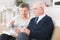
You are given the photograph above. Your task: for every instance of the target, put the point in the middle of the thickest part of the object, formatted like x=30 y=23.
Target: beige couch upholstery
x=56 y=34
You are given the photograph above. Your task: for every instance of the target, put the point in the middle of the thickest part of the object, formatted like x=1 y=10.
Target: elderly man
x=40 y=27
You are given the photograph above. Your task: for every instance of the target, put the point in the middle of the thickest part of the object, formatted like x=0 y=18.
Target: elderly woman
x=21 y=20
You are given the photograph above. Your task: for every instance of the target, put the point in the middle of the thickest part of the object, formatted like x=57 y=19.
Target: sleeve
x=9 y=25
x=44 y=32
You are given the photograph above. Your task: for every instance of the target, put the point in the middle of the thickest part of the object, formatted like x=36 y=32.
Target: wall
x=6 y=3
x=49 y=2
x=5 y=7
x=54 y=12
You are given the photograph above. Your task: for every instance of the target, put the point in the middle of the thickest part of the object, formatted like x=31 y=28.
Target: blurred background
x=9 y=9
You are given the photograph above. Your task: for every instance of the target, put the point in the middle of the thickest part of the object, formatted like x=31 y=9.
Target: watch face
x=57 y=3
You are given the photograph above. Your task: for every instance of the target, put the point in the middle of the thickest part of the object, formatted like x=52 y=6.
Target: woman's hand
x=17 y=30
x=14 y=34
x=11 y=22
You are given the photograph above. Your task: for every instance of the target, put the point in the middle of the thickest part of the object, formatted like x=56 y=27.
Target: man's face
x=37 y=9
x=24 y=11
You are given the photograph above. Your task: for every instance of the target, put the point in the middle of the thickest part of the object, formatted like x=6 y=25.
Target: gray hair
x=24 y=5
x=41 y=3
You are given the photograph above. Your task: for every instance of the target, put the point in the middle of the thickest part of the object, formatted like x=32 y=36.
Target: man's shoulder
x=47 y=17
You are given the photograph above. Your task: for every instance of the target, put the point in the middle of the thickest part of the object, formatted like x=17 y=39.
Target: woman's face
x=24 y=11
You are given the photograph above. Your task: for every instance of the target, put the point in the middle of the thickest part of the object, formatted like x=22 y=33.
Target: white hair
x=41 y=3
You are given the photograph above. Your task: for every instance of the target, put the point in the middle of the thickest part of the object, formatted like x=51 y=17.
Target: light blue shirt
x=41 y=17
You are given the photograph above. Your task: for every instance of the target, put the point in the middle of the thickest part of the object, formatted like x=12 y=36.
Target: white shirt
x=41 y=17
x=18 y=22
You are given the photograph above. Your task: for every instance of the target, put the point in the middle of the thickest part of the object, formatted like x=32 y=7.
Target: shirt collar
x=40 y=17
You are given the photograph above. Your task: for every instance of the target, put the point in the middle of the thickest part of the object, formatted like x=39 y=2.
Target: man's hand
x=25 y=30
